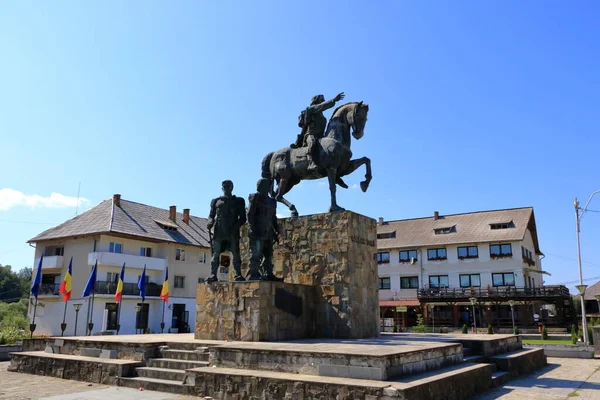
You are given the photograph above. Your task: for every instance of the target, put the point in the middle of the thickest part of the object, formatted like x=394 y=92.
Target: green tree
x=14 y=285
x=490 y=330
x=420 y=327
x=465 y=330
x=544 y=333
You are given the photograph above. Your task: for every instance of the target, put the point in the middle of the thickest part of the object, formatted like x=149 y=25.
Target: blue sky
x=473 y=106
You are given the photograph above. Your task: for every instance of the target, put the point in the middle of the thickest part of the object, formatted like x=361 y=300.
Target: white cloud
x=10 y=198
x=354 y=186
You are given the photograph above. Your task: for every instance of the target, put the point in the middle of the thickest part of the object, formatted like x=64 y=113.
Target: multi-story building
x=113 y=233
x=445 y=260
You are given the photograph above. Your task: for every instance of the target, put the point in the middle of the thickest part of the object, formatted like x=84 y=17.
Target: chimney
x=117 y=200
x=186 y=215
x=173 y=213
x=436 y=215
x=380 y=220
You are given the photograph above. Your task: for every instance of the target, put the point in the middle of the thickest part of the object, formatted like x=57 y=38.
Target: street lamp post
x=512 y=313
x=432 y=308
x=77 y=307
x=473 y=300
x=581 y=289
x=578 y=222
x=137 y=316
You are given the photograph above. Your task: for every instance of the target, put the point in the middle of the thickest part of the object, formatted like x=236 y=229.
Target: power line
x=572 y=259
x=27 y=222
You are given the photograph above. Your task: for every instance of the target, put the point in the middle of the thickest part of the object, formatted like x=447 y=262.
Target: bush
x=544 y=333
x=11 y=335
x=395 y=327
x=420 y=327
x=517 y=330
x=590 y=335
x=465 y=330
x=490 y=330
x=574 y=330
x=574 y=338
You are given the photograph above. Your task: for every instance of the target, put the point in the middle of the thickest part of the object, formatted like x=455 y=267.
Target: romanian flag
x=164 y=293
x=65 y=286
x=119 y=292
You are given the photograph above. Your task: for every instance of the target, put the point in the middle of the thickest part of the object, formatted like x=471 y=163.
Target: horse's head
x=357 y=118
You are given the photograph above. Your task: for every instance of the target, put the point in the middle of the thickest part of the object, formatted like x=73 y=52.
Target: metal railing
x=499 y=292
x=49 y=289
x=129 y=289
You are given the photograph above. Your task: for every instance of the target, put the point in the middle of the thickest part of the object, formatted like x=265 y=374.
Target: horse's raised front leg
x=332 y=176
x=355 y=164
x=283 y=187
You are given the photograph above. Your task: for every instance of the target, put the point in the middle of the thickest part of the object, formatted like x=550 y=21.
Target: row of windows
x=442 y=281
x=464 y=252
x=114 y=247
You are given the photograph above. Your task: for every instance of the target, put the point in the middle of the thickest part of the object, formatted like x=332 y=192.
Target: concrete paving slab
x=114 y=393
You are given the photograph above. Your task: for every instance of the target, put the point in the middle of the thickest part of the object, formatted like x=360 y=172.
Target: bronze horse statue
x=287 y=167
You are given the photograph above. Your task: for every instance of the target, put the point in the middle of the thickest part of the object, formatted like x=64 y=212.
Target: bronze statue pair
x=228 y=214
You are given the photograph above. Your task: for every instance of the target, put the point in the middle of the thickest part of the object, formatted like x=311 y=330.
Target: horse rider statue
x=313 y=125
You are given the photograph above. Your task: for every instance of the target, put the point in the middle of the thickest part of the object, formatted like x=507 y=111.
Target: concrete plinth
x=254 y=311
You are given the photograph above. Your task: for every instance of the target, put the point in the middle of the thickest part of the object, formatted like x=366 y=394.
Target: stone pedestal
x=254 y=311
x=334 y=254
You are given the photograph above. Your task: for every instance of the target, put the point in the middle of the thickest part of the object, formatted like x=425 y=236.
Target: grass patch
x=540 y=341
x=573 y=394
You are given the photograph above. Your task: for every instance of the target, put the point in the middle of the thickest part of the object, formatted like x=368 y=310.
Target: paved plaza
x=563 y=378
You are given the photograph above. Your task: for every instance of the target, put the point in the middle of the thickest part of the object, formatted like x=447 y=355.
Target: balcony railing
x=131 y=261
x=50 y=262
x=49 y=289
x=504 y=292
x=129 y=289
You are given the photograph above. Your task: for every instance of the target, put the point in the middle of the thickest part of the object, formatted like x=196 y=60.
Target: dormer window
x=501 y=225
x=444 y=231
x=168 y=226
x=387 y=235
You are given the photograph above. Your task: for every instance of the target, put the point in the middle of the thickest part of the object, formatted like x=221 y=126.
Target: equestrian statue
x=321 y=150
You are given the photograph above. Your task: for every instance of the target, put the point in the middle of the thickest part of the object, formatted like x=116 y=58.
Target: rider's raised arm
x=323 y=106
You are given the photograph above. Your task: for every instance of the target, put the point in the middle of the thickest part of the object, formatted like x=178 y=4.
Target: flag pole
x=119 y=316
x=162 y=324
x=63 y=326
x=91 y=323
x=32 y=325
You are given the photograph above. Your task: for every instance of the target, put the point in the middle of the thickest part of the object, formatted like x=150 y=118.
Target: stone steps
x=186 y=346
x=473 y=359
x=520 y=362
x=500 y=378
x=175 y=364
x=467 y=352
x=161 y=373
x=188 y=355
x=160 y=385
x=451 y=383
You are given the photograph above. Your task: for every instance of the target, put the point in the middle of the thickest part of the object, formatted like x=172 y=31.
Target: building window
x=444 y=231
x=468 y=252
x=406 y=255
x=388 y=235
x=438 y=281
x=180 y=254
x=112 y=277
x=54 y=251
x=179 y=281
x=111 y=318
x=146 y=251
x=500 y=250
x=503 y=279
x=383 y=257
x=203 y=258
x=115 y=247
x=470 y=280
x=527 y=256
x=385 y=283
x=500 y=225
x=409 y=282
x=436 y=254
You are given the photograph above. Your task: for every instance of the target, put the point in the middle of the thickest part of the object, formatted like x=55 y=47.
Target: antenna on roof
x=77 y=206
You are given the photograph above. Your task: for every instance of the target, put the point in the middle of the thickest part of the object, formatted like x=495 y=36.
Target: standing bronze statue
x=263 y=232
x=227 y=215
x=288 y=166
x=313 y=125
